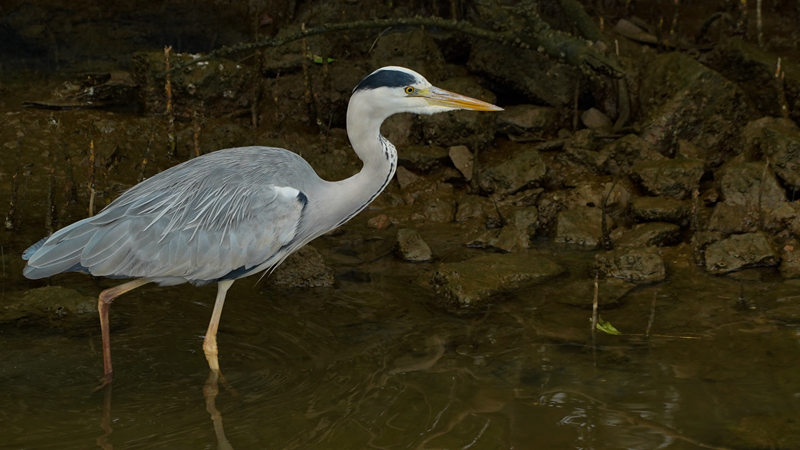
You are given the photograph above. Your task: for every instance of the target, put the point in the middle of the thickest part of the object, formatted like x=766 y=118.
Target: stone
x=471 y=283
x=477 y=207
x=423 y=158
x=648 y=234
x=528 y=120
x=751 y=185
x=730 y=219
x=790 y=259
x=583 y=148
x=777 y=140
x=660 y=209
x=379 y=222
x=579 y=226
x=520 y=226
x=413 y=44
x=635 y=265
x=303 y=269
x=412 y=247
x=683 y=99
x=52 y=306
x=753 y=69
x=526 y=75
x=623 y=153
x=462 y=160
x=633 y=32
x=451 y=128
x=740 y=251
x=522 y=170
x=595 y=119
x=406 y=177
x=675 y=178
x=221 y=85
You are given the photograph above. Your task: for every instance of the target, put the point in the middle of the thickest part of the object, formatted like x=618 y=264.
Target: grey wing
x=201 y=231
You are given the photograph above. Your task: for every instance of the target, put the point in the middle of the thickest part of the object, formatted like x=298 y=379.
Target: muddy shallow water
x=374 y=361
x=368 y=364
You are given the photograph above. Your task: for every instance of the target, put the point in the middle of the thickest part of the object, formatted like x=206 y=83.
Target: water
x=370 y=364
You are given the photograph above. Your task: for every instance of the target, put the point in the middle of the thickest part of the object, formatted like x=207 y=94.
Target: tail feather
x=60 y=252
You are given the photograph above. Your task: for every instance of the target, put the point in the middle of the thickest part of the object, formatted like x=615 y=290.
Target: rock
x=474 y=207
x=580 y=226
x=406 y=177
x=675 y=178
x=747 y=200
x=520 y=226
x=595 y=119
x=610 y=292
x=754 y=70
x=660 y=209
x=522 y=170
x=615 y=197
x=400 y=130
x=526 y=75
x=462 y=160
x=53 y=306
x=623 y=153
x=528 y=120
x=729 y=219
x=683 y=99
x=220 y=85
x=700 y=242
x=379 y=222
x=423 y=158
x=583 y=148
x=649 y=234
x=790 y=259
x=398 y=47
x=506 y=240
x=303 y=269
x=435 y=205
x=740 y=251
x=636 y=265
x=633 y=32
x=751 y=185
x=784 y=217
x=473 y=130
x=777 y=140
x=411 y=247
x=471 y=283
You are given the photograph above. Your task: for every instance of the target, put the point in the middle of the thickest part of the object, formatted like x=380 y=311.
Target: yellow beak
x=441 y=97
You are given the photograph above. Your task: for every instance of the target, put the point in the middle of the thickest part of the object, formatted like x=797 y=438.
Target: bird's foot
x=105 y=381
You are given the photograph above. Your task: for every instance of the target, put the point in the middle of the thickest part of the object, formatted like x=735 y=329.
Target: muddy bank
x=666 y=141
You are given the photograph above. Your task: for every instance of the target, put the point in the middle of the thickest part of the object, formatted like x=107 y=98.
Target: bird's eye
x=409 y=90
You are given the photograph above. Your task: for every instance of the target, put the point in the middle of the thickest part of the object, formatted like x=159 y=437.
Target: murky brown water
x=368 y=365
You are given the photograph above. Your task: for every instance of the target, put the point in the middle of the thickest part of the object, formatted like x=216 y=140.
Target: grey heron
x=235 y=212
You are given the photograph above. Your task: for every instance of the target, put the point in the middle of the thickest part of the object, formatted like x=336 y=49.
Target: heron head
x=395 y=89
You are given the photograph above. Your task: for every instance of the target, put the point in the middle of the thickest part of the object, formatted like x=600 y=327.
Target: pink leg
x=103 y=304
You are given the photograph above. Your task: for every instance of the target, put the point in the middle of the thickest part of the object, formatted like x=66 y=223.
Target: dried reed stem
x=196 y=132
x=759 y=25
x=780 y=76
x=11 y=215
x=171 y=142
x=50 y=221
x=92 y=191
x=652 y=315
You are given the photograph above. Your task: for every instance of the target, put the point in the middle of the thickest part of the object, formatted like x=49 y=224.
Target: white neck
x=341 y=200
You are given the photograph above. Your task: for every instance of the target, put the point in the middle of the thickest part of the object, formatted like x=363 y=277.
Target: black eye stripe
x=386 y=78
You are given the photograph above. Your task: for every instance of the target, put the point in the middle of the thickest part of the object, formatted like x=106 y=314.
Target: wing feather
x=198 y=221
